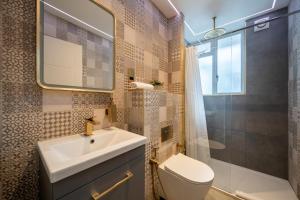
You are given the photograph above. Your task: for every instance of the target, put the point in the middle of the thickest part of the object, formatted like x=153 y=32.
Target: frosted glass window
x=206 y=74
x=229 y=65
x=221 y=65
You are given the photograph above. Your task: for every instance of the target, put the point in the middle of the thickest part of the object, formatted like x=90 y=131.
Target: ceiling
x=231 y=14
x=71 y=10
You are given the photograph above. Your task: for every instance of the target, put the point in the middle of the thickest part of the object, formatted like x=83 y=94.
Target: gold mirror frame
x=38 y=55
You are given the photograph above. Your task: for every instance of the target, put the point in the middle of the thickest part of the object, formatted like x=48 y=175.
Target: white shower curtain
x=197 y=145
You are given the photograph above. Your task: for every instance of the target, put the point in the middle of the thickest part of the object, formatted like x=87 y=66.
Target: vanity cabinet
x=120 y=178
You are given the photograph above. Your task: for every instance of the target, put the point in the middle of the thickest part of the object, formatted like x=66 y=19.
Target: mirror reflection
x=77 y=45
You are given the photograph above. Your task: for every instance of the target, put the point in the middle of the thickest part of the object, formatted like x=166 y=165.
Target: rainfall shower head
x=215 y=32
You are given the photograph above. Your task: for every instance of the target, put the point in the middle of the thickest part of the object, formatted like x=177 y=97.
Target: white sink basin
x=65 y=156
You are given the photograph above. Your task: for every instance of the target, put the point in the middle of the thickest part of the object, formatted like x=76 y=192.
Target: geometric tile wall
x=21 y=101
x=149 y=111
x=151 y=47
x=294 y=106
x=147 y=115
x=56 y=124
x=147 y=44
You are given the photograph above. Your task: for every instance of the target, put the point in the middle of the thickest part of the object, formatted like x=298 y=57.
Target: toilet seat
x=189 y=169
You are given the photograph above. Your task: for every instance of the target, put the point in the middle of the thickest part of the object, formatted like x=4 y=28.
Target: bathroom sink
x=65 y=156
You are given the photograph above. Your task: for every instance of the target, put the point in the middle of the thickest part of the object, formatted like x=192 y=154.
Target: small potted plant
x=157 y=84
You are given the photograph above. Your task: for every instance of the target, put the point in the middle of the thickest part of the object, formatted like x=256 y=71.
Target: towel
x=140 y=85
x=246 y=196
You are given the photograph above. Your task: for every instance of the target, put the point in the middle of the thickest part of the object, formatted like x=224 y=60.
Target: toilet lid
x=189 y=169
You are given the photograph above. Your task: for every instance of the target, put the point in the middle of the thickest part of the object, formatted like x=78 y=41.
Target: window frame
x=214 y=53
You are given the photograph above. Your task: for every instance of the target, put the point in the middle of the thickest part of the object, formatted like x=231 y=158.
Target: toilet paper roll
x=140 y=85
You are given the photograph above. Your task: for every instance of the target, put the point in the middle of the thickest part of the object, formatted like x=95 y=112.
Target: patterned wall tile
x=23 y=100
x=155 y=74
x=90 y=100
x=56 y=124
x=118 y=95
x=119 y=64
x=130 y=18
x=20 y=100
x=162 y=113
x=127 y=81
x=162 y=98
x=140 y=16
x=137 y=98
x=151 y=98
x=17 y=65
x=176 y=88
x=18 y=33
x=20 y=10
x=79 y=117
x=21 y=129
x=21 y=97
x=118 y=7
x=148 y=117
x=101 y=100
x=148 y=173
x=140 y=25
x=148 y=36
x=139 y=69
x=148 y=74
x=129 y=51
x=120 y=30
x=120 y=117
x=19 y=172
x=120 y=46
x=139 y=55
x=163 y=64
x=129 y=34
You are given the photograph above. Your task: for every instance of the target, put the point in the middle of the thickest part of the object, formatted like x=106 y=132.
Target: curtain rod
x=246 y=27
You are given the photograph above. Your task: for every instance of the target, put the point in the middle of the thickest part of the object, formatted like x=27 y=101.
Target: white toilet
x=185 y=178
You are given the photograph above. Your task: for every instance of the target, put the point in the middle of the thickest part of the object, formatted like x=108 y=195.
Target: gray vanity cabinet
x=128 y=167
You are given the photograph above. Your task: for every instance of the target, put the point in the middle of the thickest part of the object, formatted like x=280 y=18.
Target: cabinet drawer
x=133 y=189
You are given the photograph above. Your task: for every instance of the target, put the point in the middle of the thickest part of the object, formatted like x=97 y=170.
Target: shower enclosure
x=245 y=80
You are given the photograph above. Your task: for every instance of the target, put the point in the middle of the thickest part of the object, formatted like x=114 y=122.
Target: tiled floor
x=233 y=178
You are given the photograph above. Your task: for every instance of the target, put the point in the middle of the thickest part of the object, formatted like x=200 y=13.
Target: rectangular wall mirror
x=75 y=46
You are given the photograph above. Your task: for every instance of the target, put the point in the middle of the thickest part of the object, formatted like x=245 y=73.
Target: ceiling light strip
x=173 y=6
x=102 y=32
x=189 y=27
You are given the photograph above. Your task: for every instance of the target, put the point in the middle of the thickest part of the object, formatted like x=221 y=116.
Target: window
x=221 y=63
x=206 y=74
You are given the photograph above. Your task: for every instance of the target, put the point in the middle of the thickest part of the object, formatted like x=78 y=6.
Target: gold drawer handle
x=97 y=195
